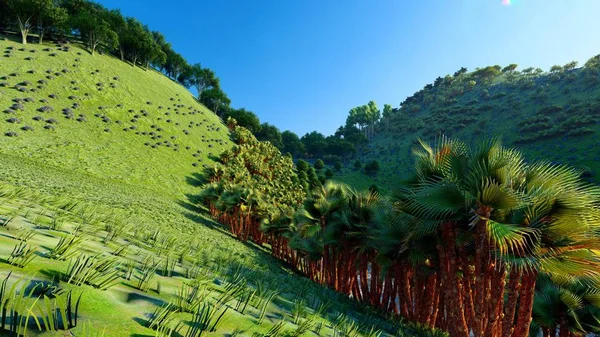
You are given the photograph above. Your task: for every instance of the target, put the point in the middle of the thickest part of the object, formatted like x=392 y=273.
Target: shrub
x=357 y=165
x=45 y=108
x=51 y=121
x=372 y=168
x=11 y=134
x=18 y=106
x=14 y=120
x=27 y=128
x=319 y=164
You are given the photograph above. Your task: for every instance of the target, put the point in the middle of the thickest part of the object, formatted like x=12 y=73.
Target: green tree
x=556 y=68
x=517 y=219
x=270 y=133
x=319 y=164
x=567 y=306
x=119 y=24
x=91 y=24
x=216 y=100
x=387 y=115
x=509 y=68
x=337 y=166
x=292 y=144
x=25 y=13
x=49 y=16
x=314 y=143
x=200 y=78
x=372 y=167
x=357 y=165
x=570 y=66
x=244 y=118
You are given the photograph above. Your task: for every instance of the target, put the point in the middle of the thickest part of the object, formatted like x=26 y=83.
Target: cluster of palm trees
x=478 y=243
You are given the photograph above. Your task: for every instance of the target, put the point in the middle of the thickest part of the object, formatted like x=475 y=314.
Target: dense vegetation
x=460 y=248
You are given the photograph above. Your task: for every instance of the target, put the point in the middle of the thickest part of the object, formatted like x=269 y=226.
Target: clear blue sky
x=303 y=64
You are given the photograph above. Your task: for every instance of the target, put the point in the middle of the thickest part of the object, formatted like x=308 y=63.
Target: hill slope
x=546 y=115
x=124 y=197
x=97 y=115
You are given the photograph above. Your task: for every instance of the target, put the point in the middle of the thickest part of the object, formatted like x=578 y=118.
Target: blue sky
x=302 y=65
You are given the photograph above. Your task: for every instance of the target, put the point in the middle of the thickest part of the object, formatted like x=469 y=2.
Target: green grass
x=80 y=180
x=495 y=110
x=85 y=147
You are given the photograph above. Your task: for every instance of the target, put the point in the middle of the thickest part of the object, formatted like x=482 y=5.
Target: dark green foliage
x=270 y=133
x=372 y=167
x=357 y=165
x=319 y=164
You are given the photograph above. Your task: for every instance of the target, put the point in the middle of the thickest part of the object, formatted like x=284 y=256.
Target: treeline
x=109 y=31
x=479 y=243
x=362 y=123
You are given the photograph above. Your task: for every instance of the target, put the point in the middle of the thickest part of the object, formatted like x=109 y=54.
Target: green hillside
x=553 y=115
x=97 y=115
x=110 y=166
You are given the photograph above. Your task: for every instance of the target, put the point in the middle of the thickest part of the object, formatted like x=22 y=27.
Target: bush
x=11 y=134
x=357 y=165
x=337 y=166
x=319 y=164
x=372 y=168
x=46 y=108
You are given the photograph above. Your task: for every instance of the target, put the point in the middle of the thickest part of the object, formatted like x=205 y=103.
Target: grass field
x=117 y=186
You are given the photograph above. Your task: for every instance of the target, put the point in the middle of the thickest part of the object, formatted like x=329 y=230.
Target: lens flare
x=506 y=2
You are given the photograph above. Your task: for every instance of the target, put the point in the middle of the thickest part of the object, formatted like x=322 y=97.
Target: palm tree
x=407 y=260
x=498 y=222
x=569 y=306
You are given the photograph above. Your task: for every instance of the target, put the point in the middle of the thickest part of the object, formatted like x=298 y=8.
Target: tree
x=570 y=66
x=555 y=68
x=138 y=41
x=119 y=24
x=216 y=100
x=49 y=16
x=357 y=165
x=460 y=71
x=337 y=166
x=387 y=114
x=253 y=182
x=509 y=68
x=372 y=167
x=328 y=174
x=175 y=63
x=568 y=306
x=270 y=133
x=487 y=199
x=24 y=11
x=314 y=143
x=93 y=28
x=487 y=73
x=200 y=78
x=319 y=164
x=244 y=118
x=292 y=144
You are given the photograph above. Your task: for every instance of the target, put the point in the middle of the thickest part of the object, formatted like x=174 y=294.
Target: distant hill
x=553 y=115
x=97 y=115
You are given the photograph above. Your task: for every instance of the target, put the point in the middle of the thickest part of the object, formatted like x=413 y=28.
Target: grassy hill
x=552 y=115
x=100 y=116
x=105 y=156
